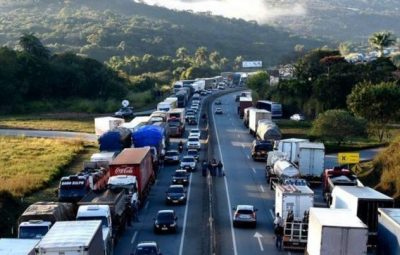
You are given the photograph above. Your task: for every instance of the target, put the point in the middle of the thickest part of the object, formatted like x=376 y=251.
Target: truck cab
x=127 y=183
x=33 y=229
x=72 y=188
x=102 y=213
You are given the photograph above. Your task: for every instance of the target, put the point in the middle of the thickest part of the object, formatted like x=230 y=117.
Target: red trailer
x=135 y=162
x=244 y=102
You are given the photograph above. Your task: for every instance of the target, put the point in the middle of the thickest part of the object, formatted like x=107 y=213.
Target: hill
x=101 y=29
x=340 y=20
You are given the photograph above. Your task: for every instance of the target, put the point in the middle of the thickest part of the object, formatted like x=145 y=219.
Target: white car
x=195 y=132
x=245 y=215
x=189 y=163
x=193 y=143
x=195 y=108
x=196 y=101
x=297 y=117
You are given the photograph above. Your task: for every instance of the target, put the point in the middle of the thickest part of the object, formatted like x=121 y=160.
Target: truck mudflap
x=295 y=235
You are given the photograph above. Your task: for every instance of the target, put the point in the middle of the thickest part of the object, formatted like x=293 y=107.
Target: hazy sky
x=246 y=9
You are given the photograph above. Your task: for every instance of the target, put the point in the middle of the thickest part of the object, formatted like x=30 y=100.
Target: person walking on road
x=220 y=166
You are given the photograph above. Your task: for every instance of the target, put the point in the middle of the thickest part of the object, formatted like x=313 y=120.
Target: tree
x=215 y=59
x=379 y=104
x=32 y=45
x=182 y=53
x=380 y=40
x=237 y=62
x=200 y=56
x=259 y=83
x=345 y=48
x=338 y=125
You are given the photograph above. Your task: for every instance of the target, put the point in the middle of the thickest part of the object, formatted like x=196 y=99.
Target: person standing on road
x=214 y=167
x=204 y=167
x=278 y=237
x=278 y=221
x=220 y=166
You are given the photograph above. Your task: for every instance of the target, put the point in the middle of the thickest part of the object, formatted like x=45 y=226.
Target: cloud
x=257 y=10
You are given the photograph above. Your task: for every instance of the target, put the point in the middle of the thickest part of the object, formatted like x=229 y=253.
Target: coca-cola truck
x=136 y=162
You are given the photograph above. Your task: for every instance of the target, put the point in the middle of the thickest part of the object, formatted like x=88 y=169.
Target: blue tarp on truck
x=115 y=140
x=148 y=135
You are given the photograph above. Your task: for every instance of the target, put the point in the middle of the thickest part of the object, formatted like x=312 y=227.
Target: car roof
x=245 y=207
x=193 y=137
x=188 y=156
x=180 y=171
x=171 y=151
x=195 y=129
x=176 y=186
x=166 y=211
x=146 y=243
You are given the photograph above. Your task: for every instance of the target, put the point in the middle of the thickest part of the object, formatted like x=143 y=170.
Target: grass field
x=29 y=164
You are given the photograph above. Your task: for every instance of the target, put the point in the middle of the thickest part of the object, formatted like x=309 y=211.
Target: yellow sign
x=348 y=158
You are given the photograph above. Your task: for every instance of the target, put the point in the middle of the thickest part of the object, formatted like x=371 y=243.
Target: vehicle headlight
x=172 y=225
x=182 y=197
x=168 y=197
x=157 y=225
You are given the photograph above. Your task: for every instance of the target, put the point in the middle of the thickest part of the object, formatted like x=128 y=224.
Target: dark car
x=124 y=112
x=180 y=176
x=172 y=156
x=165 y=221
x=147 y=248
x=192 y=121
x=260 y=149
x=176 y=194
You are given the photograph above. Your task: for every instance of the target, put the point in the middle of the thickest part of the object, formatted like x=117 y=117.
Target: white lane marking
x=248 y=157
x=156 y=181
x=272 y=214
x=259 y=236
x=227 y=194
x=185 y=217
x=262 y=189
x=254 y=170
x=146 y=205
x=134 y=237
x=242 y=145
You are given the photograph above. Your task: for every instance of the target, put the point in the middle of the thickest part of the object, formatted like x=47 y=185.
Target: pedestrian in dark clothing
x=128 y=215
x=220 y=166
x=278 y=237
x=214 y=167
x=135 y=211
x=204 y=168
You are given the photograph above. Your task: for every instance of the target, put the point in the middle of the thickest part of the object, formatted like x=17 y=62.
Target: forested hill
x=103 y=28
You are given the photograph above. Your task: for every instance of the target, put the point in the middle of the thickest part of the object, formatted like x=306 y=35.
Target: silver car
x=245 y=215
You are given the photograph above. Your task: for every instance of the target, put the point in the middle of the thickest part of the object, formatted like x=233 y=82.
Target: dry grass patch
x=29 y=164
x=86 y=126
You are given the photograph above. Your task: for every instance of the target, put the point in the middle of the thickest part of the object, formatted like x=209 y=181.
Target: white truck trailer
x=311 y=160
x=293 y=203
x=72 y=238
x=13 y=246
x=363 y=202
x=290 y=146
x=388 y=231
x=336 y=232
x=104 y=124
x=254 y=116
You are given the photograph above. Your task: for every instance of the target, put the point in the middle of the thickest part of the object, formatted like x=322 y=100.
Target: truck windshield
x=103 y=219
x=33 y=232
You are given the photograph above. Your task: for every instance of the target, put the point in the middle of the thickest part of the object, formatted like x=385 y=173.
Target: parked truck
x=176 y=122
x=39 y=217
x=136 y=123
x=115 y=140
x=94 y=176
x=246 y=116
x=104 y=124
x=158 y=116
x=109 y=206
x=244 y=102
x=290 y=146
x=337 y=176
x=256 y=115
x=104 y=156
x=13 y=246
x=268 y=131
x=336 y=232
x=311 y=161
x=135 y=162
x=363 y=202
x=293 y=203
x=72 y=238
x=173 y=100
x=183 y=98
x=388 y=231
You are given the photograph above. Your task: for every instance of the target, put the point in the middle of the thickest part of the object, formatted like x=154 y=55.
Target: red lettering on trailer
x=124 y=170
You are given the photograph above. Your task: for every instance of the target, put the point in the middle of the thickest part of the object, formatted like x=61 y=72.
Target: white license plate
x=175 y=201
x=164 y=228
x=244 y=217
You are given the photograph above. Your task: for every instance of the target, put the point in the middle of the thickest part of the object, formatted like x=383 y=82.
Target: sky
x=257 y=10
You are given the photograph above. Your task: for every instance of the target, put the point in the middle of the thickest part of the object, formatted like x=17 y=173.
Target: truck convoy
x=38 y=218
x=336 y=232
x=363 y=202
x=135 y=162
x=73 y=238
x=256 y=115
x=94 y=176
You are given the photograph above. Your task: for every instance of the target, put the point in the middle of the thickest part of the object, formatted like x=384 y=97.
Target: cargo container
x=290 y=146
x=244 y=102
x=256 y=115
x=388 y=231
x=363 y=202
x=136 y=123
x=103 y=156
x=173 y=100
x=72 y=238
x=336 y=232
x=104 y=124
x=311 y=160
x=136 y=162
x=11 y=246
x=246 y=116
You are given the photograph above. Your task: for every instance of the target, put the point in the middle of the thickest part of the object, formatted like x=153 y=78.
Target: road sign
x=348 y=158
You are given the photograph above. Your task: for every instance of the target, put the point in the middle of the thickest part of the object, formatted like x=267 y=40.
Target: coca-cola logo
x=123 y=170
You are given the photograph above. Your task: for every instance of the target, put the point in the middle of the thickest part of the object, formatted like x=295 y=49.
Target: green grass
x=29 y=164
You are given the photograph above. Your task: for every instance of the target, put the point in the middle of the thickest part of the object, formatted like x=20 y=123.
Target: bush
x=10 y=208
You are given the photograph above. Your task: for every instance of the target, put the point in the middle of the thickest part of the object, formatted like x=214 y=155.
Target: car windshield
x=175 y=190
x=31 y=232
x=188 y=159
x=192 y=153
x=194 y=131
x=245 y=211
x=146 y=250
x=165 y=217
x=171 y=153
x=193 y=139
x=180 y=174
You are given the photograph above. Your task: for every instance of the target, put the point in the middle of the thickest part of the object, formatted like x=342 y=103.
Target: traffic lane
x=143 y=230
x=244 y=186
